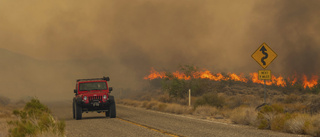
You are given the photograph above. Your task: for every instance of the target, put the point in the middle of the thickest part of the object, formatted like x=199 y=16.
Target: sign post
x=264 y=75
x=264 y=55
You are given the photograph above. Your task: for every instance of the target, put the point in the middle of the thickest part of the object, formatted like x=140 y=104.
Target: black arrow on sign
x=263 y=50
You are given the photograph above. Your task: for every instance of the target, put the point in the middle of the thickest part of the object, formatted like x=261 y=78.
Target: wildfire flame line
x=206 y=74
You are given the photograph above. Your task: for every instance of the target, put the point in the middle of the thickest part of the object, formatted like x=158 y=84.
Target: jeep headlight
x=104 y=96
x=85 y=98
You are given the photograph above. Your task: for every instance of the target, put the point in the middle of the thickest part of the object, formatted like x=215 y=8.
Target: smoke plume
x=46 y=45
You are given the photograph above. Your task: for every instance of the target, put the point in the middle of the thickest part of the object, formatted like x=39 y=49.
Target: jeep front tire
x=112 y=108
x=73 y=110
x=78 y=111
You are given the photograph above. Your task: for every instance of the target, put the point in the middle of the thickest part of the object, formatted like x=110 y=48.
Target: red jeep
x=93 y=95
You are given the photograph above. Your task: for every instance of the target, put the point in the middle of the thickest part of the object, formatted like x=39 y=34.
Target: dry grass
x=297 y=125
x=158 y=106
x=5 y=115
x=233 y=102
x=314 y=128
x=304 y=124
x=151 y=104
x=177 y=109
x=3 y=127
x=295 y=107
x=165 y=98
x=5 y=112
x=244 y=115
x=206 y=111
x=202 y=111
x=130 y=102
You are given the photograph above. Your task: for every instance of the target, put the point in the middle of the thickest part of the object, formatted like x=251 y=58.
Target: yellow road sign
x=264 y=74
x=264 y=55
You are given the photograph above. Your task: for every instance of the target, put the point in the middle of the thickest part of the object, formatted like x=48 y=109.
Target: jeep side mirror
x=110 y=89
x=75 y=91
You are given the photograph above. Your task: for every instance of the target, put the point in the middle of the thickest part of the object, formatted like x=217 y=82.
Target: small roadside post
x=264 y=55
x=189 y=97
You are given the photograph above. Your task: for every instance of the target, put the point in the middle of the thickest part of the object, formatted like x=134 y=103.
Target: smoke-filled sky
x=124 y=38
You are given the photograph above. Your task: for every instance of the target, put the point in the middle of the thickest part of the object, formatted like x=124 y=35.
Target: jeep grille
x=95 y=98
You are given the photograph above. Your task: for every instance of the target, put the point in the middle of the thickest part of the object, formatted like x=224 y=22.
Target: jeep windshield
x=92 y=86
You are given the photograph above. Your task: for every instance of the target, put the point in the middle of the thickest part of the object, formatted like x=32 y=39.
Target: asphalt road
x=139 y=122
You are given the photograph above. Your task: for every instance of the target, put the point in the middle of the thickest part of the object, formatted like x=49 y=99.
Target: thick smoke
x=46 y=45
x=293 y=27
x=300 y=27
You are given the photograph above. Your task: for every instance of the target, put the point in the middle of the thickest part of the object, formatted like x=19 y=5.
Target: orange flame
x=292 y=80
x=155 y=74
x=310 y=83
x=179 y=75
x=279 y=81
x=206 y=74
x=235 y=77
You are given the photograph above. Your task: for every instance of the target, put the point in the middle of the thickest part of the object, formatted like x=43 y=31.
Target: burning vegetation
x=206 y=74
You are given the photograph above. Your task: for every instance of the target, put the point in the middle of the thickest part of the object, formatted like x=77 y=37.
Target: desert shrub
x=314 y=106
x=279 y=120
x=188 y=70
x=220 y=85
x=304 y=124
x=295 y=107
x=266 y=115
x=150 y=104
x=4 y=100
x=206 y=111
x=35 y=119
x=234 y=102
x=278 y=108
x=292 y=98
x=211 y=99
x=144 y=104
x=145 y=97
x=314 y=129
x=178 y=88
x=165 y=98
x=177 y=109
x=275 y=118
x=297 y=124
x=175 y=87
x=34 y=107
x=244 y=115
x=162 y=106
x=316 y=89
